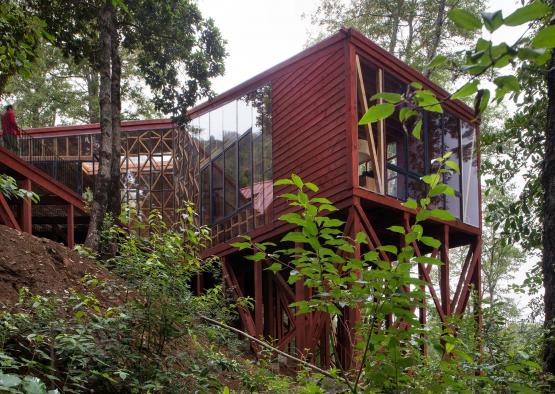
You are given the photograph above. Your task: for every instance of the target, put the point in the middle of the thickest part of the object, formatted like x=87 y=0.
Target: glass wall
x=407 y=159
x=236 y=175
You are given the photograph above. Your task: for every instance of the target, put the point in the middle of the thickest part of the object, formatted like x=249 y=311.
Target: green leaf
x=410 y=203
x=430 y=241
x=241 y=245
x=293 y=218
x=449 y=347
x=33 y=385
x=388 y=248
x=312 y=186
x=7 y=380
x=294 y=236
x=397 y=229
x=275 y=267
x=442 y=214
x=466 y=90
x=281 y=182
x=530 y=53
x=545 y=38
x=297 y=180
x=437 y=61
x=506 y=84
x=417 y=128
x=481 y=101
x=454 y=166
x=492 y=20
x=416 y=85
x=406 y=113
x=377 y=112
x=427 y=260
x=464 y=19
x=533 y=11
x=392 y=98
x=257 y=256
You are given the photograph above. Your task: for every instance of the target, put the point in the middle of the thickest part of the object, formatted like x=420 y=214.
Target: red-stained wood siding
x=309 y=125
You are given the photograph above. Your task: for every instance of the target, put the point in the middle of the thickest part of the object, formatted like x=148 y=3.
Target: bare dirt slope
x=41 y=265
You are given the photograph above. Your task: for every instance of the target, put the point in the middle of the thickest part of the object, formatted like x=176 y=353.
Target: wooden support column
x=477 y=284
x=200 y=283
x=300 y=320
x=444 y=272
x=269 y=305
x=258 y=299
x=27 y=209
x=70 y=226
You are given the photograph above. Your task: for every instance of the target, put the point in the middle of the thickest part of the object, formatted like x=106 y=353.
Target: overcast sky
x=262 y=33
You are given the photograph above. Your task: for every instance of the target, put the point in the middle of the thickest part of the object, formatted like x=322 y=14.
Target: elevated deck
x=60 y=214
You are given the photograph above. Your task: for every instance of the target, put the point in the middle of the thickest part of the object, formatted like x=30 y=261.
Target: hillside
x=78 y=329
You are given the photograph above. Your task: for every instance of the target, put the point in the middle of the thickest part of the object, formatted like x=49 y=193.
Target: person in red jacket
x=10 y=129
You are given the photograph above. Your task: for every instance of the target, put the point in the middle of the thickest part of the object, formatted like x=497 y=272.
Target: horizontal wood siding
x=309 y=125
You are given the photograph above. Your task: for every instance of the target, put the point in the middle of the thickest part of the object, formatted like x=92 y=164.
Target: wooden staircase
x=60 y=214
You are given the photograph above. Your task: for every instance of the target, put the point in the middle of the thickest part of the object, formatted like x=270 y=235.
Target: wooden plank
x=462 y=276
x=70 y=226
x=465 y=292
x=258 y=299
x=368 y=130
x=444 y=272
x=6 y=214
x=27 y=209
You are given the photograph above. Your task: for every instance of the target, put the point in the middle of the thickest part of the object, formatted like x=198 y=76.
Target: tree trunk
x=114 y=197
x=436 y=38
x=548 y=183
x=92 y=94
x=395 y=21
x=102 y=178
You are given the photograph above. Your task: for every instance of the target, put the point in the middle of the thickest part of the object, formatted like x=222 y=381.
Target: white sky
x=262 y=33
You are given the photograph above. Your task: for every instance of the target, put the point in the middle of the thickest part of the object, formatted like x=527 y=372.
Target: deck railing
x=40 y=153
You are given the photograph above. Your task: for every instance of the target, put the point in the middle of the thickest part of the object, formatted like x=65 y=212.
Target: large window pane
x=230 y=122
x=218 y=188
x=205 y=195
x=470 y=175
x=216 y=132
x=435 y=138
x=245 y=169
x=395 y=184
x=451 y=143
x=244 y=117
x=416 y=153
x=204 y=136
x=230 y=179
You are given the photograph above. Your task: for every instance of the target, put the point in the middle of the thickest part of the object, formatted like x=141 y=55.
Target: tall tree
x=416 y=31
x=20 y=36
x=177 y=52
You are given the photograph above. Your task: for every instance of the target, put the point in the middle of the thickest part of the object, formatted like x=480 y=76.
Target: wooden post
x=258 y=300
x=200 y=283
x=477 y=283
x=70 y=226
x=269 y=305
x=27 y=209
x=444 y=272
x=300 y=320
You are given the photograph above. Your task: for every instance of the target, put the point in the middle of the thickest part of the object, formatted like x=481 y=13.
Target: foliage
x=9 y=188
x=171 y=46
x=346 y=273
x=60 y=91
x=151 y=341
x=20 y=35
x=414 y=31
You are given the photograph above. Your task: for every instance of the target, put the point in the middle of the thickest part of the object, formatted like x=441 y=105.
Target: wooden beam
x=462 y=276
x=465 y=292
x=258 y=299
x=378 y=175
x=445 y=290
x=6 y=214
x=70 y=226
x=27 y=209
